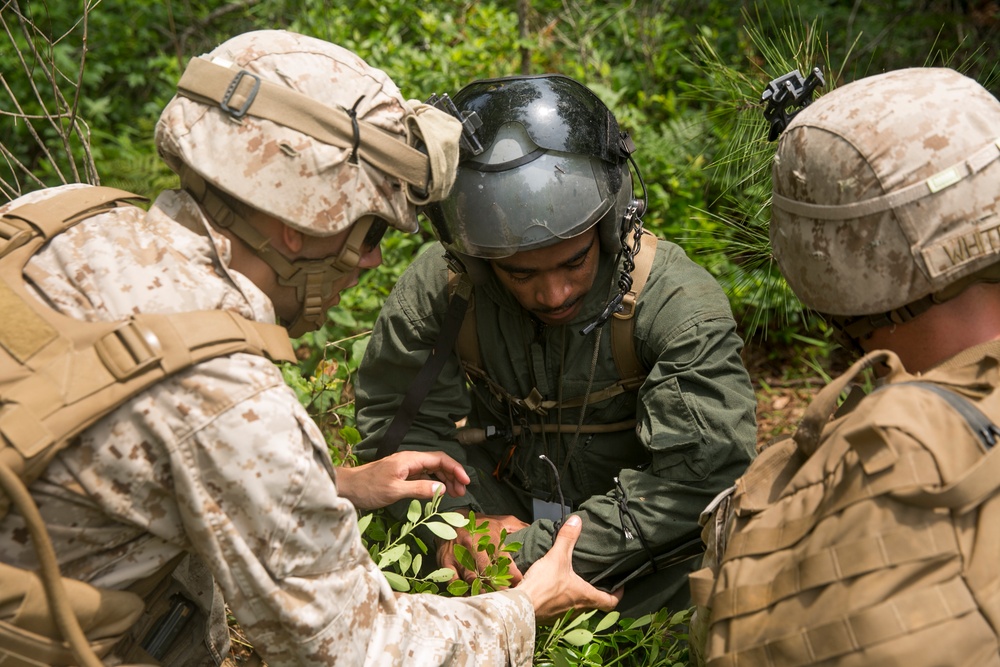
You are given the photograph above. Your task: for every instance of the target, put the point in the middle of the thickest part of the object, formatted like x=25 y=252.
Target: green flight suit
x=694 y=414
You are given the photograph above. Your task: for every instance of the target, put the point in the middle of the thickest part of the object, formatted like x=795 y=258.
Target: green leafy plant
x=593 y=638
x=496 y=575
x=398 y=550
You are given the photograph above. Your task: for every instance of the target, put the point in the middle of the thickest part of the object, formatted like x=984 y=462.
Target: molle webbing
x=774 y=600
x=59 y=374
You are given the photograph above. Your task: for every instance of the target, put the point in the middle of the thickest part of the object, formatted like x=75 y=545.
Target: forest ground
x=784 y=386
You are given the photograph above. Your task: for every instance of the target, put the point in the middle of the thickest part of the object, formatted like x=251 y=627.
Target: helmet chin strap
x=313 y=279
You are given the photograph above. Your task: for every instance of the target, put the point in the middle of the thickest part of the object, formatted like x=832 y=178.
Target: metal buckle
x=231 y=90
x=128 y=350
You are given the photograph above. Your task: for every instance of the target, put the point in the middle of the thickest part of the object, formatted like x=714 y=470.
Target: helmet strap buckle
x=239 y=112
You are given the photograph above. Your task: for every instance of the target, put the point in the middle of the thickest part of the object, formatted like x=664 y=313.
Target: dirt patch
x=785 y=384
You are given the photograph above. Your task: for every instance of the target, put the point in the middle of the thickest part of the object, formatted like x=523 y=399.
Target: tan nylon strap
x=62 y=611
x=614 y=427
x=79 y=386
x=467 y=344
x=913 y=469
x=934 y=184
x=838 y=563
x=623 y=322
x=534 y=402
x=978 y=483
x=208 y=82
x=894 y=618
x=44 y=219
x=817 y=415
x=55 y=214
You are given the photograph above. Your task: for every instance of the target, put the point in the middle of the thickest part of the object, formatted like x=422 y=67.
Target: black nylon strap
x=980 y=424
x=428 y=373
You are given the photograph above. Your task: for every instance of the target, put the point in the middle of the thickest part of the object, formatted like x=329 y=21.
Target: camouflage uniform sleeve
x=405 y=332
x=695 y=417
x=256 y=496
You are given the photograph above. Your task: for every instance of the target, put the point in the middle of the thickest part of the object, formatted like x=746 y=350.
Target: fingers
x=437 y=466
x=424 y=489
x=515 y=573
x=567 y=536
x=434 y=463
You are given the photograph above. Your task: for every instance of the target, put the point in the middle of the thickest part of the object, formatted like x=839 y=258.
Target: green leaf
x=642 y=621
x=561 y=658
x=413 y=513
x=350 y=435
x=397 y=582
x=458 y=588
x=580 y=619
x=456 y=519
x=404 y=561
x=463 y=557
x=442 y=530
x=511 y=547
x=477 y=586
x=578 y=637
x=609 y=619
x=363 y=523
x=441 y=575
x=390 y=555
x=418 y=562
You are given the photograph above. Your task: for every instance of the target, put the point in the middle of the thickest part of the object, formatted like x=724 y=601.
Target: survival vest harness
x=458 y=333
x=59 y=375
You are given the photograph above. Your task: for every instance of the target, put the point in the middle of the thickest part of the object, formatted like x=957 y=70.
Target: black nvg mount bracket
x=469 y=142
x=785 y=93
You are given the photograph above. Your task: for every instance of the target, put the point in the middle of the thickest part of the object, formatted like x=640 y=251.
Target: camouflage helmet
x=304 y=131
x=887 y=196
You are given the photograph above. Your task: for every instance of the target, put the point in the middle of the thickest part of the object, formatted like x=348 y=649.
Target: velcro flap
x=873 y=447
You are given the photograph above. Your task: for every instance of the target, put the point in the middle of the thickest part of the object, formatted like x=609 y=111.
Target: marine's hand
x=401 y=475
x=555 y=588
x=497 y=523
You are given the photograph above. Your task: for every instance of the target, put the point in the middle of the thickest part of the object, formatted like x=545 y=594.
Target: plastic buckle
x=231 y=90
x=128 y=350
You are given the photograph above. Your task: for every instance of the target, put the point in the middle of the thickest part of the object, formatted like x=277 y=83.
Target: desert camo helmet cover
x=887 y=196
x=307 y=132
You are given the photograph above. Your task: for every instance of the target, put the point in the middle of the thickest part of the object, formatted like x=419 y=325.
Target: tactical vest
x=876 y=563
x=59 y=375
x=631 y=370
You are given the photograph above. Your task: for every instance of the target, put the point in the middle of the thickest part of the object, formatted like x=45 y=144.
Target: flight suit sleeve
x=404 y=334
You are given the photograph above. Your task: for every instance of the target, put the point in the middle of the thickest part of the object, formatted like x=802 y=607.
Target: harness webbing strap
x=443 y=346
x=630 y=367
x=837 y=563
x=896 y=617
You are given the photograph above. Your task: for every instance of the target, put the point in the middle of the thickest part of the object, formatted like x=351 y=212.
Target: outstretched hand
x=401 y=475
x=555 y=588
